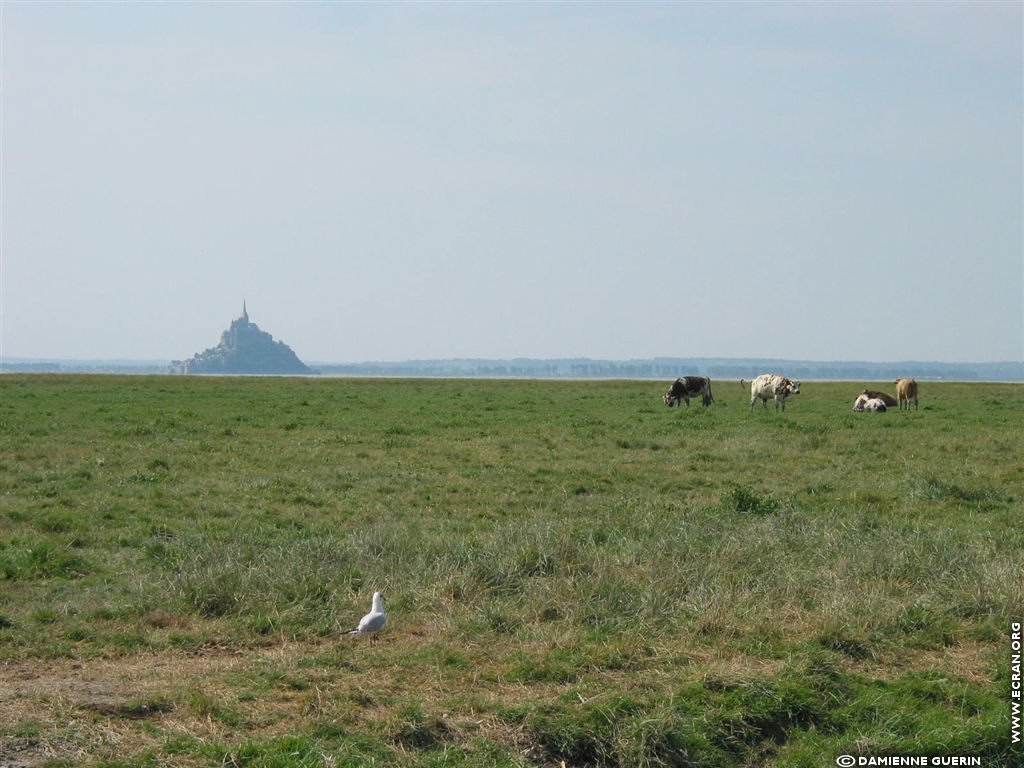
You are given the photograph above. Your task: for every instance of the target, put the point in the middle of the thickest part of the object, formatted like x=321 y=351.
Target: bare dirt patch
x=96 y=708
x=970 y=661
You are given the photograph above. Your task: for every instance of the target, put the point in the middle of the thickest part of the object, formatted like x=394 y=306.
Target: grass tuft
x=747 y=501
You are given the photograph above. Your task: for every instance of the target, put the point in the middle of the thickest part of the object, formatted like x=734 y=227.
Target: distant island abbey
x=244 y=348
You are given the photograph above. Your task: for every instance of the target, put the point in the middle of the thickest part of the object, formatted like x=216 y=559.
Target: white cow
x=770 y=386
x=872 y=404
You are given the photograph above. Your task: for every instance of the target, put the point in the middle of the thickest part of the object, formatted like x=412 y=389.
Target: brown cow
x=889 y=400
x=906 y=390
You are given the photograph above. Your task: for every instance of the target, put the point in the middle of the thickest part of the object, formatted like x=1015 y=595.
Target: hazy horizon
x=150 y=360
x=415 y=181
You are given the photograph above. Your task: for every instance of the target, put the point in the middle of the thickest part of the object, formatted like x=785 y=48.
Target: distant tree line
x=669 y=368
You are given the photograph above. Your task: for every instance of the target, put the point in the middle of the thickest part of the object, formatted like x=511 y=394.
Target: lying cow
x=872 y=404
x=686 y=387
x=889 y=400
x=770 y=386
x=906 y=390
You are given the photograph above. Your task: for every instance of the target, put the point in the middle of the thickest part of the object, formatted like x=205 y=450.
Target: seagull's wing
x=373 y=622
x=361 y=626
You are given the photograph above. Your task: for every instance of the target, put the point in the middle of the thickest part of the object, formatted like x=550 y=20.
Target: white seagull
x=374 y=621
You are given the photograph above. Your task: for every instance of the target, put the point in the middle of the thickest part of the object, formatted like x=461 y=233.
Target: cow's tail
x=743 y=384
x=711 y=397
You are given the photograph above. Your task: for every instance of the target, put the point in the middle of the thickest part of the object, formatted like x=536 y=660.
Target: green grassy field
x=574 y=573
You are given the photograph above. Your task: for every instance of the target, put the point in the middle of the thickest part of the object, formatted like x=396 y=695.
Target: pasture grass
x=573 y=573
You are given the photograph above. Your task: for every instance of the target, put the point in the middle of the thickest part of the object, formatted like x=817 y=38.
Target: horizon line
x=666 y=358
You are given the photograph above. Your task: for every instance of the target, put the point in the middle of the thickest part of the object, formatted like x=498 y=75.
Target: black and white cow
x=686 y=387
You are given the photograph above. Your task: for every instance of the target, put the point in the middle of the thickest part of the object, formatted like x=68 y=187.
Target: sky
x=394 y=181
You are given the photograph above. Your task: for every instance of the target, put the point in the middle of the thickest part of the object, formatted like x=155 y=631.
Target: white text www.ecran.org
x=1015 y=646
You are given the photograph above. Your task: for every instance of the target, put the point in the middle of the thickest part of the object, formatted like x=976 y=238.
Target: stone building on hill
x=244 y=348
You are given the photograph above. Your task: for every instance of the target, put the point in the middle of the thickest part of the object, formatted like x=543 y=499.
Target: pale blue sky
x=432 y=180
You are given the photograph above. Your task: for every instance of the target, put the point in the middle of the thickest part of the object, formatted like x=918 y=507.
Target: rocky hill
x=244 y=348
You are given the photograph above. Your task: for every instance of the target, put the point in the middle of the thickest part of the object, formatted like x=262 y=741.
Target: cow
x=686 y=387
x=906 y=390
x=769 y=386
x=889 y=400
x=865 y=403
